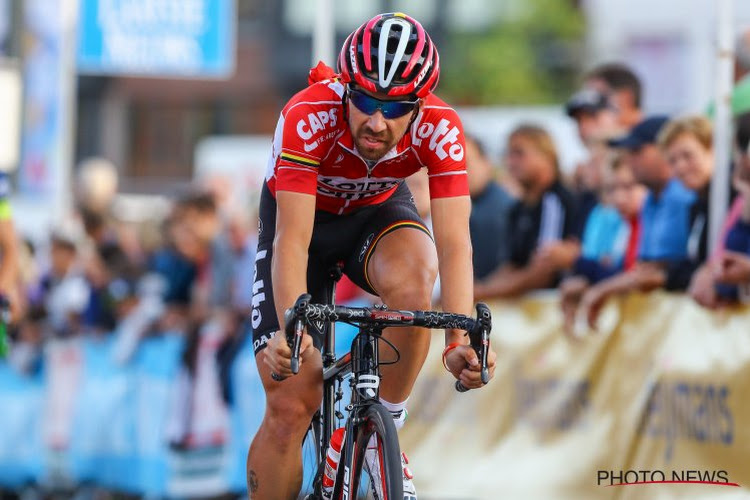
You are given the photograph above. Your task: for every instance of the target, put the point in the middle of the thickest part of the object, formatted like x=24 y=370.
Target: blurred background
x=134 y=139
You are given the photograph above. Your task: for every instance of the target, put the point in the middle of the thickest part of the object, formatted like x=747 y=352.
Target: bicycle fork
x=366 y=384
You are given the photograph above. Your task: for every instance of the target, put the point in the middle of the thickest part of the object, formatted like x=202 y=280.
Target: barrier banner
x=653 y=405
x=22 y=404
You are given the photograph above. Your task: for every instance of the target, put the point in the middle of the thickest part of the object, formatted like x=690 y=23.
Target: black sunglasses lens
x=390 y=109
x=363 y=102
x=394 y=109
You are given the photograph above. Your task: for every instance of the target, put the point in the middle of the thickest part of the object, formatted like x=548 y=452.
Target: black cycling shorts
x=349 y=238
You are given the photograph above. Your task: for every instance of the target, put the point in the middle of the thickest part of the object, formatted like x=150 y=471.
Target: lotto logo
x=443 y=139
x=315 y=122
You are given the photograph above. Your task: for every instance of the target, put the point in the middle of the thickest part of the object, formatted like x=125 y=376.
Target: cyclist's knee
x=290 y=412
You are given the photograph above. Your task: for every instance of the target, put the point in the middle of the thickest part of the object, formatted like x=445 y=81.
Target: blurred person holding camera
x=623 y=89
x=596 y=122
x=545 y=215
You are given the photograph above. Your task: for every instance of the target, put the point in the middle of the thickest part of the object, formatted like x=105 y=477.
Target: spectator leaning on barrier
x=610 y=242
x=687 y=146
x=490 y=206
x=623 y=88
x=726 y=276
x=734 y=264
x=545 y=214
x=665 y=219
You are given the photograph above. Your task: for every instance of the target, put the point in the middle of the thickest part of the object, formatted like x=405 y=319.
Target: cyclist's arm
x=450 y=223
x=295 y=215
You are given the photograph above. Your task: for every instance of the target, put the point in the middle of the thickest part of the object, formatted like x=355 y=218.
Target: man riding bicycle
x=335 y=192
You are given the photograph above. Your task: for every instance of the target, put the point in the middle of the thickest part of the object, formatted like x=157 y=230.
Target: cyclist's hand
x=464 y=364
x=278 y=355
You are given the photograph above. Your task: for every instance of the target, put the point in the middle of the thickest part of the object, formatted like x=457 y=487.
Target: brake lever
x=294 y=319
x=479 y=338
x=482 y=338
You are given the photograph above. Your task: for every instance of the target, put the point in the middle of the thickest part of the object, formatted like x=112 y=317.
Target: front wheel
x=376 y=450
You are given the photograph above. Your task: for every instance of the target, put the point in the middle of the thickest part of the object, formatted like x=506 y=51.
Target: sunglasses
x=390 y=109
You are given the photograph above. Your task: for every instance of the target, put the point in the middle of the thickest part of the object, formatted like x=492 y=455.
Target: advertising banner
x=651 y=406
x=180 y=38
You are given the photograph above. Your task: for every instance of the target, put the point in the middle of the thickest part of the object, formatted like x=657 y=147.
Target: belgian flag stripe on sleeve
x=299 y=160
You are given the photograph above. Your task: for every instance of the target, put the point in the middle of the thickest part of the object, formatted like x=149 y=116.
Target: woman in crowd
x=687 y=146
x=545 y=214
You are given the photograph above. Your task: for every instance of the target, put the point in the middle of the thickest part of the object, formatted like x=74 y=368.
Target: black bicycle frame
x=363 y=358
x=362 y=362
x=331 y=368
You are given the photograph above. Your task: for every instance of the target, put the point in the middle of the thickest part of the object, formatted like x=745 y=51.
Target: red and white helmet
x=391 y=54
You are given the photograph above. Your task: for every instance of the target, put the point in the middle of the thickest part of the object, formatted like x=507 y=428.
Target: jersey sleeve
x=306 y=130
x=440 y=145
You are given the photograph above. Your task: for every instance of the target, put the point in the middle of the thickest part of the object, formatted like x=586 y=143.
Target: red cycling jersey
x=314 y=153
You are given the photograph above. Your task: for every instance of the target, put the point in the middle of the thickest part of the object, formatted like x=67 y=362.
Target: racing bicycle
x=369 y=423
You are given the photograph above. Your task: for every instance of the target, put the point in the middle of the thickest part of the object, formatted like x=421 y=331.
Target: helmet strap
x=345 y=104
x=414 y=115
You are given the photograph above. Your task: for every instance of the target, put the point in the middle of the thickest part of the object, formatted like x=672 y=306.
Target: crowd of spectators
x=632 y=217
x=105 y=275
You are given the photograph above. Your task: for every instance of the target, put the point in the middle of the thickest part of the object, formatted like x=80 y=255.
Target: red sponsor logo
x=387 y=316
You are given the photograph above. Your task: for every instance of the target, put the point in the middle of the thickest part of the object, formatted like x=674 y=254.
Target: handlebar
x=303 y=312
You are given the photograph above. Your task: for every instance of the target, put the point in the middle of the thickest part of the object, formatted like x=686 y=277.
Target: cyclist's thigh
x=397 y=213
x=263 y=317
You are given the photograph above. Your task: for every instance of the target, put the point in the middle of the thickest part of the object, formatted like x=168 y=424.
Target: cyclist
x=335 y=192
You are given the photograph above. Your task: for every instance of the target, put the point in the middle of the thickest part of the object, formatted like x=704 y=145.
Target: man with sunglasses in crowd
x=335 y=192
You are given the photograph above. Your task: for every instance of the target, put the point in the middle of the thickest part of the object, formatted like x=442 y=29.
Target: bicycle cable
x=393 y=347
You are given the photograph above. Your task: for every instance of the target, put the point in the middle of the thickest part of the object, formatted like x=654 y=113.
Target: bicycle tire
x=311 y=460
x=378 y=422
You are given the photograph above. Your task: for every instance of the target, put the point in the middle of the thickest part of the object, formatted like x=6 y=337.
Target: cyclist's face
x=374 y=135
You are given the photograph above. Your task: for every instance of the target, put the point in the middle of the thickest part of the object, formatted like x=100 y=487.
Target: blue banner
x=180 y=38
x=121 y=412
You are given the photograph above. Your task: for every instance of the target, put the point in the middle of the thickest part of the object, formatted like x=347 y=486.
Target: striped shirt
x=553 y=218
